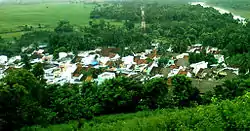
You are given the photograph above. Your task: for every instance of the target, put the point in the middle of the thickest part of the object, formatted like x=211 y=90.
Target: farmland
x=15 y=15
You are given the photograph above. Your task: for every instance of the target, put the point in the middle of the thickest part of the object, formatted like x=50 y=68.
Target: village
x=105 y=63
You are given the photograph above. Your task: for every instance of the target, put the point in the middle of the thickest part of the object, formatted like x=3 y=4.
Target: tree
x=155 y=94
x=129 y=24
x=231 y=89
x=57 y=51
x=38 y=71
x=163 y=61
x=64 y=26
x=26 y=61
x=20 y=100
x=184 y=94
x=66 y=101
x=119 y=95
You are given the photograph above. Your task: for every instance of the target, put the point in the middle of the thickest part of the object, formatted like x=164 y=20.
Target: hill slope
x=220 y=116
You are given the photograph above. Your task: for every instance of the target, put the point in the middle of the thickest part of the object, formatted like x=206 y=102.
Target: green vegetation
x=14 y=17
x=31 y=102
x=223 y=115
x=26 y=100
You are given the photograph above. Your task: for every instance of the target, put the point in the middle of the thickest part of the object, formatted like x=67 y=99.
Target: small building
x=90 y=60
x=14 y=59
x=183 y=55
x=3 y=59
x=198 y=66
x=62 y=55
x=219 y=58
x=128 y=60
x=182 y=62
x=105 y=76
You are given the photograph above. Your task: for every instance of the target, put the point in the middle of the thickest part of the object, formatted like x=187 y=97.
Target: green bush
x=225 y=115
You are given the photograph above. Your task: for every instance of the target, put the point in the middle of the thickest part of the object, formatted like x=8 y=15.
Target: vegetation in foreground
x=224 y=115
x=32 y=102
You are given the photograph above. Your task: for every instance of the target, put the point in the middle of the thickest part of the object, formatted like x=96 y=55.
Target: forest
x=26 y=100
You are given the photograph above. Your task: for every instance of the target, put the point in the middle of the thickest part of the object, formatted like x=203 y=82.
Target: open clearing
x=13 y=15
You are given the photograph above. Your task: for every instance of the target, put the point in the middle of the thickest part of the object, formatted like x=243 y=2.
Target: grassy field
x=13 y=15
x=243 y=13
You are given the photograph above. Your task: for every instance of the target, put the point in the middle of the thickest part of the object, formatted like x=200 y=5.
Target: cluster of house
x=70 y=68
x=202 y=70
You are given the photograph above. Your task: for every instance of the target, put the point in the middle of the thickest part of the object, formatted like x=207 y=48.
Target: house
x=116 y=57
x=219 y=58
x=156 y=45
x=212 y=50
x=40 y=51
x=47 y=58
x=128 y=60
x=139 y=61
x=152 y=55
x=77 y=80
x=42 y=46
x=140 y=67
x=14 y=59
x=150 y=68
x=36 y=61
x=174 y=72
x=103 y=60
x=156 y=70
x=105 y=76
x=170 y=49
x=90 y=60
x=198 y=66
x=62 y=55
x=170 y=62
x=3 y=59
x=183 y=55
x=197 y=48
x=234 y=70
x=182 y=62
x=107 y=51
x=156 y=76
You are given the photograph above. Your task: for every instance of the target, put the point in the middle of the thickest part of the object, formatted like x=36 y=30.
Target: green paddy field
x=12 y=16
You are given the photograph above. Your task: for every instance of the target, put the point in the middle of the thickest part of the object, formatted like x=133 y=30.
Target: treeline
x=225 y=115
x=26 y=100
x=99 y=33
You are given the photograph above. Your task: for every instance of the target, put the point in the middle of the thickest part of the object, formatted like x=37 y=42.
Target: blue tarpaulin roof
x=94 y=63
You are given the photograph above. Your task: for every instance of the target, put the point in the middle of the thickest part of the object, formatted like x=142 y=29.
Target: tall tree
x=38 y=71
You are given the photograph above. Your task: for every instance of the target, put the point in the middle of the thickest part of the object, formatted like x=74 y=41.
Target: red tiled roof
x=111 y=55
x=153 y=54
x=140 y=61
x=173 y=66
x=106 y=51
x=78 y=70
x=182 y=72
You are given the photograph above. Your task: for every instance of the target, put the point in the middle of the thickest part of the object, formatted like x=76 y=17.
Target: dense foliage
x=184 y=25
x=225 y=115
x=30 y=102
